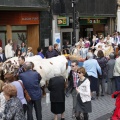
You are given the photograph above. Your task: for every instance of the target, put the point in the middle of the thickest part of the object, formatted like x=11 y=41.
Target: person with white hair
x=50 y=52
x=76 y=50
x=29 y=52
x=2 y=55
x=92 y=67
x=31 y=80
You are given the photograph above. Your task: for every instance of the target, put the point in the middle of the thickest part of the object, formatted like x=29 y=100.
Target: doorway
x=86 y=31
x=66 y=35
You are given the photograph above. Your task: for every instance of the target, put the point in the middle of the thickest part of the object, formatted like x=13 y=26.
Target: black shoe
x=62 y=118
x=102 y=95
x=92 y=98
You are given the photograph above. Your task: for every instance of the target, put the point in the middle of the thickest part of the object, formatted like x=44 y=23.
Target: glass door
x=66 y=35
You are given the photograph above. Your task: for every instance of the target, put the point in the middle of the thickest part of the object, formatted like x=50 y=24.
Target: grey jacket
x=110 y=68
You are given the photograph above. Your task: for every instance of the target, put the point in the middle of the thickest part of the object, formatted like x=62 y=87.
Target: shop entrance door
x=86 y=31
x=66 y=35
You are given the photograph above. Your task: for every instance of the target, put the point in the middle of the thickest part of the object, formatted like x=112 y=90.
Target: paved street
x=101 y=109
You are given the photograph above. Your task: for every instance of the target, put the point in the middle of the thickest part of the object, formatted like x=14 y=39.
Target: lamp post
x=74 y=21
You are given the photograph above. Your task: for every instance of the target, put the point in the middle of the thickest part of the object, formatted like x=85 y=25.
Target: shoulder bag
x=26 y=95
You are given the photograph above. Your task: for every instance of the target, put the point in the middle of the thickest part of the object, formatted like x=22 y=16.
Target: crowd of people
x=85 y=83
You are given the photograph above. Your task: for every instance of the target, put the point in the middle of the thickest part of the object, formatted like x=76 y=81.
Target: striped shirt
x=75 y=78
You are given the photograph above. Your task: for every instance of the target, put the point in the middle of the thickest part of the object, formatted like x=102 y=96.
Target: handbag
x=26 y=95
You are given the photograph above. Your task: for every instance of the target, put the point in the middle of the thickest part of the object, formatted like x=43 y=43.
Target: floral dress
x=14 y=110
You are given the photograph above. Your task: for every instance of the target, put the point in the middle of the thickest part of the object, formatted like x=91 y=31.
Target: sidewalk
x=101 y=109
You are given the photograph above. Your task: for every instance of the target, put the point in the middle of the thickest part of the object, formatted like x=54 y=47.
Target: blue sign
x=58 y=40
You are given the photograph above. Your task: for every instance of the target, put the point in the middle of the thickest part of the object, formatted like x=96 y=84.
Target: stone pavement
x=101 y=109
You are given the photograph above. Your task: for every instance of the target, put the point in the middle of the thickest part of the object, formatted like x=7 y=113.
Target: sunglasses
x=72 y=66
x=79 y=72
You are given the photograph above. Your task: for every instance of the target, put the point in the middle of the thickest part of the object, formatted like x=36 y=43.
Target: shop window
x=19 y=28
x=18 y=38
x=2 y=28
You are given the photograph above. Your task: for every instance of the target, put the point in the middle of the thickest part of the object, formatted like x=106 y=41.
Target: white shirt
x=84 y=90
x=8 y=51
x=101 y=44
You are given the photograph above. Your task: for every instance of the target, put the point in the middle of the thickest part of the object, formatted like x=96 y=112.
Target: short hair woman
x=83 y=104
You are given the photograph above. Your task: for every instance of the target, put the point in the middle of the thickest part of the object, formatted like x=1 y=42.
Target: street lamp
x=74 y=21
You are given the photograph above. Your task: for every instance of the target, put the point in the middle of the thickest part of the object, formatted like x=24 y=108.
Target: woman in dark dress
x=57 y=96
x=83 y=104
x=103 y=64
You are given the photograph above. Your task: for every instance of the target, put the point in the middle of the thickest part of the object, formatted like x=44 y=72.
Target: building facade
x=24 y=21
x=92 y=17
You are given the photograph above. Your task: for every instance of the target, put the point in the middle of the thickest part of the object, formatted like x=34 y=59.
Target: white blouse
x=84 y=90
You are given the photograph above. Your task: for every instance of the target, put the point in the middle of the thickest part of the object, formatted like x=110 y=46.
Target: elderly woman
x=29 y=52
x=83 y=95
x=76 y=50
x=3 y=99
x=103 y=64
x=10 y=78
x=56 y=86
x=13 y=108
x=92 y=67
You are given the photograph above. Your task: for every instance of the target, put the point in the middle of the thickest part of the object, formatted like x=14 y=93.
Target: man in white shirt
x=9 y=53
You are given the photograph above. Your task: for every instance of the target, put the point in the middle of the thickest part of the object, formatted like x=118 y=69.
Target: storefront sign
x=63 y=21
x=92 y=21
x=30 y=18
x=19 y=18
